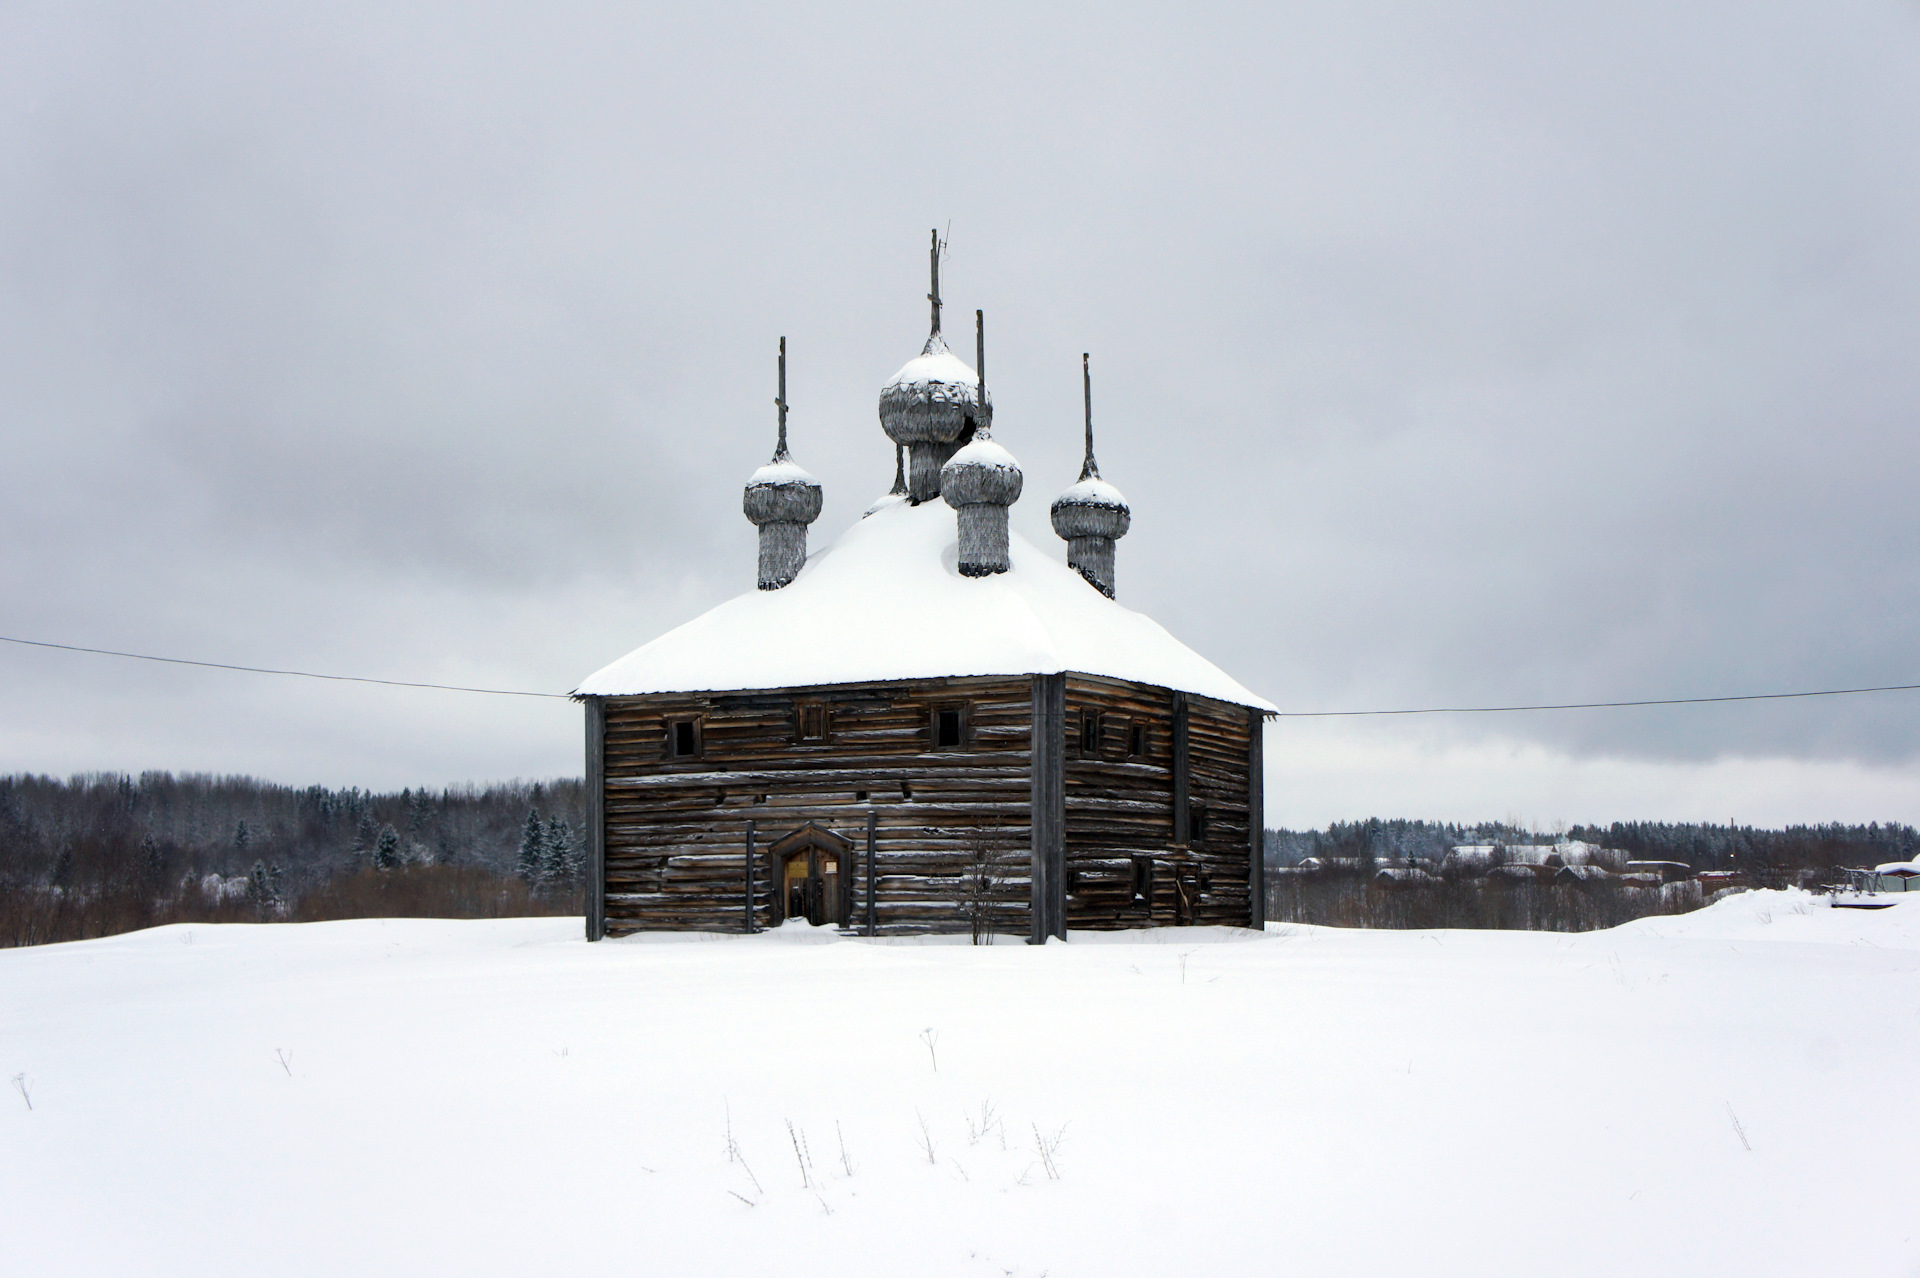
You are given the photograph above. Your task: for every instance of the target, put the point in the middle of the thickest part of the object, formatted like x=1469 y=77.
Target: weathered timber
x=1256 y=820
x=1081 y=825
x=1048 y=803
x=596 y=886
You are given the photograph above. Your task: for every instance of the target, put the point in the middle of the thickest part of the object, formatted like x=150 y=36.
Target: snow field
x=1716 y=1093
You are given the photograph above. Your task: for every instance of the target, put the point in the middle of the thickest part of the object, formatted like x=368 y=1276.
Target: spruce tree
x=532 y=849
x=386 y=851
x=557 y=861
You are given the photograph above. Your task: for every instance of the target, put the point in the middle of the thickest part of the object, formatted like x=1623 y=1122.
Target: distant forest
x=103 y=853
x=97 y=854
x=1764 y=855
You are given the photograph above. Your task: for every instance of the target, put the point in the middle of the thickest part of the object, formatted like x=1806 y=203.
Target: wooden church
x=929 y=723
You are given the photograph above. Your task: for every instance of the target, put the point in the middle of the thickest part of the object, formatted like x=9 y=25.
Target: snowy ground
x=501 y=1098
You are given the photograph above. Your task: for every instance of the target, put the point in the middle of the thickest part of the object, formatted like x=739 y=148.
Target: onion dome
x=1092 y=514
x=980 y=481
x=781 y=499
x=933 y=404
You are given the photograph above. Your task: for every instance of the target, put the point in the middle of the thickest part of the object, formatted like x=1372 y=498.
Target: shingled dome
x=933 y=404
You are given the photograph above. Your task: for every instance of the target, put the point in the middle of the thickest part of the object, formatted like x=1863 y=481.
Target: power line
x=299 y=674
x=1601 y=705
x=1284 y=714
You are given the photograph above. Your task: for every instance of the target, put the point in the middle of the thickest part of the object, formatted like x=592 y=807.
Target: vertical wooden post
x=1182 y=774
x=749 y=926
x=873 y=821
x=1257 y=820
x=1047 y=801
x=596 y=885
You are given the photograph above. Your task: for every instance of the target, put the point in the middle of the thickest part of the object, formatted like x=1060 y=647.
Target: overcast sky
x=1449 y=354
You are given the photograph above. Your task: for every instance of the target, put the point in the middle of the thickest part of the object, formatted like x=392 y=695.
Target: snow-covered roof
x=1093 y=492
x=984 y=452
x=935 y=364
x=781 y=472
x=1901 y=869
x=887 y=601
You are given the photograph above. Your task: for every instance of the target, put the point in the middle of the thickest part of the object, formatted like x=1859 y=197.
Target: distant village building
x=930 y=724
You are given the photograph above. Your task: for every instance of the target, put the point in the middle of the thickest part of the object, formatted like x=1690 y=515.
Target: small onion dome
x=781 y=500
x=982 y=473
x=932 y=398
x=980 y=482
x=1091 y=508
x=1092 y=514
x=781 y=492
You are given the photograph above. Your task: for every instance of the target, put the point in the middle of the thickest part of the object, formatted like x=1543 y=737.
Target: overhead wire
x=297 y=674
x=1284 y=714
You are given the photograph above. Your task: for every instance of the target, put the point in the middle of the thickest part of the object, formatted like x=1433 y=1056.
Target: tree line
x=100 y=853
x=1765 y=856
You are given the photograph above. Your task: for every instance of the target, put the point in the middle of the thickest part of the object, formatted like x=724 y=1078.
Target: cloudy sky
x=1450 y=354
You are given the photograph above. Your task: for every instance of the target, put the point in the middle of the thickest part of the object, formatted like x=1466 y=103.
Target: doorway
x=813 y=872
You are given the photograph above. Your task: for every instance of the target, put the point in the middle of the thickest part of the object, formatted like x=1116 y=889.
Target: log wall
x=1136 y=854
x=676 y=828
x=1130 y=850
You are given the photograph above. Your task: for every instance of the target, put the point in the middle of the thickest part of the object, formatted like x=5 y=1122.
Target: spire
x=984 y=427
x=780 y=449
x=1089 y=469
x=934 y=296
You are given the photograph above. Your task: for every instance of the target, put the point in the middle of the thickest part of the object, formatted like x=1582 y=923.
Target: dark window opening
x=1196 y=822
x=719 y=797
x=759 y=798
x=1136 y=740
x=859 y=796
x=1143 y=879
x=686 y=739
x=946 y=729
x=1090 y=733
x=906 y=791
x=813 y=723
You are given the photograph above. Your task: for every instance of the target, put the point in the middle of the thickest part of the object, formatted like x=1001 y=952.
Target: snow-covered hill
x=1721 y=1093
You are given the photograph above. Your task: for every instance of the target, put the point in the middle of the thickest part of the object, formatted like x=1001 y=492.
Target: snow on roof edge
x=890 y=605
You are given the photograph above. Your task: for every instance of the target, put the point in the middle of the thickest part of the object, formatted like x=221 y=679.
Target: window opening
x=1196 y=822
x=686 y=739
x=1090 y=733
x=813 y=723
x=1136 y=739
x=859 y=796
x=946 y=731
x=1143 y=879
x=906 y=791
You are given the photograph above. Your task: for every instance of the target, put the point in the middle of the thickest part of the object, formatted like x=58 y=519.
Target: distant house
x=929 y=721
x=1897 y=876
x=1581 y=876
x=1669 y=871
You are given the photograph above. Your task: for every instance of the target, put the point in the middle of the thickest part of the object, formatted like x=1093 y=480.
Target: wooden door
x=811 y=880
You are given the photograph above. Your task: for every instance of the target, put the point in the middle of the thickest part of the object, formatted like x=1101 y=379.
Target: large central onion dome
x=1092 y=514
x=980 y=481
x=933 y=405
